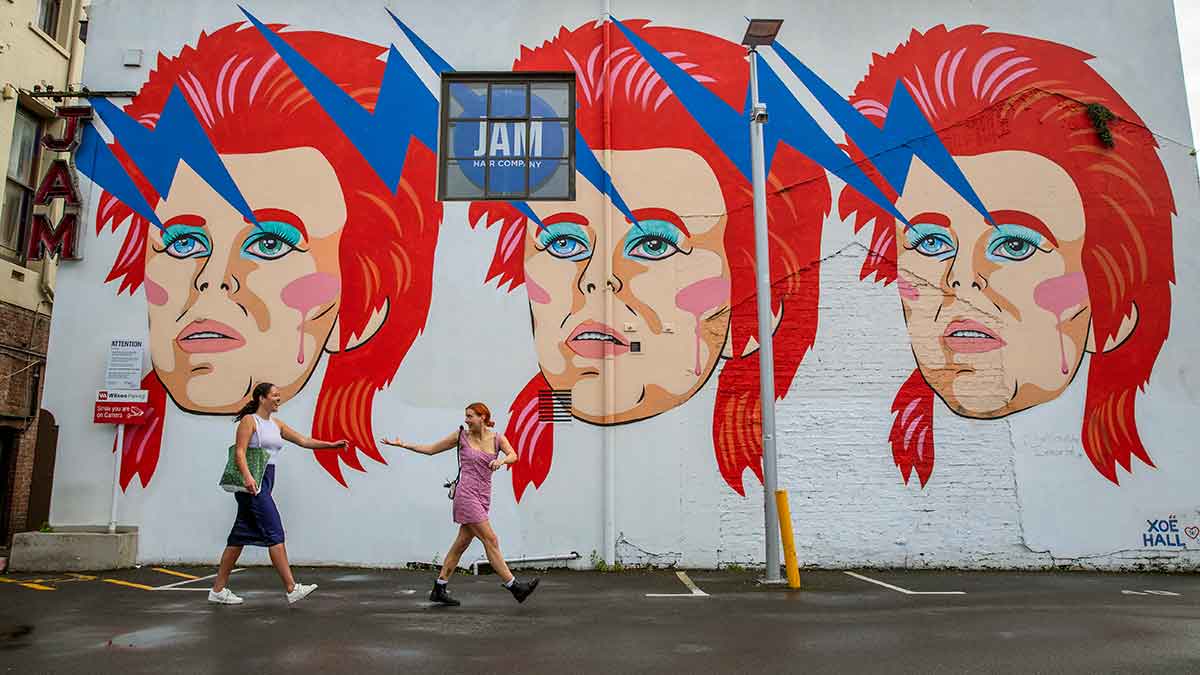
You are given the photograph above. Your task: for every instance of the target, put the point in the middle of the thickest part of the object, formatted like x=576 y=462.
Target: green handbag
x=256 y=461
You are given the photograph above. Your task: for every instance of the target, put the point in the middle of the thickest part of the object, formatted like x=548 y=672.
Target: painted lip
x=971 y=337
x=595 y=340
x=209 y=337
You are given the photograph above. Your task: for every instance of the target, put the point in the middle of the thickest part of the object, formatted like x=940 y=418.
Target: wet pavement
x=154 y=620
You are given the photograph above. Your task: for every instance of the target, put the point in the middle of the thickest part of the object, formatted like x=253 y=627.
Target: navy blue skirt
x=257 y=522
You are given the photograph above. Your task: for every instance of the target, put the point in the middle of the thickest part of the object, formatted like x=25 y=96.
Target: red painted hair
x=248 y=101
x=617 y=85
x=986 y=92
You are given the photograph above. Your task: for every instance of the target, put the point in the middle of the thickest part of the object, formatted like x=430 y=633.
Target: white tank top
x=266 y=436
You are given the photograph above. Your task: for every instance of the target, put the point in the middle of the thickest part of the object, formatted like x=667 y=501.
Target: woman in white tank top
x=258 y=522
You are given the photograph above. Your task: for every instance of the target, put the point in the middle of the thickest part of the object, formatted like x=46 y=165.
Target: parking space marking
x=190 y=577
x=34 y=584
x=687 y=581
x=898 y=589
x=1128 y=592
x=130 y=584
x=175 y=586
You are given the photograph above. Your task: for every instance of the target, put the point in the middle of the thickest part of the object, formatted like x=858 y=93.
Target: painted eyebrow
x=930 y=218
x=283 y=216
x=661 y=214
x=565 y=217
x=190 y=219
x=1024 y=220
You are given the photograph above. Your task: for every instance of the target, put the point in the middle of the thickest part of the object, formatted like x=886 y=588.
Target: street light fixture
x=761 y=33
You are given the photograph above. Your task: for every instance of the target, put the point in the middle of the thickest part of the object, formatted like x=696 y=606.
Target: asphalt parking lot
x=155 y=620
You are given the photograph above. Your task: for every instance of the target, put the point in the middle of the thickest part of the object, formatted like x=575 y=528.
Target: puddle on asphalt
x=158 y=636
x=15 y=637
x=350 y=578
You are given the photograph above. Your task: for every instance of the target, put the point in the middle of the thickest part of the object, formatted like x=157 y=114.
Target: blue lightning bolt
x=585 y=160
x=157 y=152
x=403 y=110
x=906 y=133
x=729 y=129
x=96 y=160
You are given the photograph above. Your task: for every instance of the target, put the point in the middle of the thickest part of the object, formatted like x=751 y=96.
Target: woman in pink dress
x=481 y=452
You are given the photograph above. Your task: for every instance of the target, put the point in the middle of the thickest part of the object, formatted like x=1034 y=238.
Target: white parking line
x=687 y=581
x=902 y=590
x=1126 y=592
x=174 y=586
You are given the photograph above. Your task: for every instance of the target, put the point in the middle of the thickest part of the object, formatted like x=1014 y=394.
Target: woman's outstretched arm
x=431 y=449
x=303 y=441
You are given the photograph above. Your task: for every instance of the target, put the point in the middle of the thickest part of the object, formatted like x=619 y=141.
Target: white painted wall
x=1011 y=493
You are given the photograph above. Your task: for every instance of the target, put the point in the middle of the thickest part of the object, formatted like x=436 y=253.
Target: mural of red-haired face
x=226 y=297
x=998 y=314
x=317 y=261
x=1077 y=256
x=642 y=289
x=669 y=282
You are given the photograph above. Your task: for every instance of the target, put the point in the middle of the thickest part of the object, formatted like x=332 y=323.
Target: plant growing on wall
x=1101 y=116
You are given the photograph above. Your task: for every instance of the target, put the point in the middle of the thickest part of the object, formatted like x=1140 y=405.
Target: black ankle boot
x=441 y=595
x=523 y=589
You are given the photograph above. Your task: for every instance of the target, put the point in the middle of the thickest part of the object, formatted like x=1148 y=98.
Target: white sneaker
x=225 y=597
x=299 y=592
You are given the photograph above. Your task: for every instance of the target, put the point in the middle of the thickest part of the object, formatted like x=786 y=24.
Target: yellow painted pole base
x=789 y=541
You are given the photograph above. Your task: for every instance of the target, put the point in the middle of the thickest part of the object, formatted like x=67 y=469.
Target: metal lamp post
x=762 y=32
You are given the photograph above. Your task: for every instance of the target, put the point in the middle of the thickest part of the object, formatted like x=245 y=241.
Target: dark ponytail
x=260 y=392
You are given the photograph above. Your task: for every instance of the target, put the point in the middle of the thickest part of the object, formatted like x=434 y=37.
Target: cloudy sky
x=1187 y=12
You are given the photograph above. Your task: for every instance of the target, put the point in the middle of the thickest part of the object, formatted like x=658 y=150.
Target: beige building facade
x=41 y=50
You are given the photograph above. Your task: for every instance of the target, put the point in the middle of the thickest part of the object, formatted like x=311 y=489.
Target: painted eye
x=1013 y=248
x=653 y=248
x=187 y=246
x=566 y=247
x=268 y=247
x=932 y=245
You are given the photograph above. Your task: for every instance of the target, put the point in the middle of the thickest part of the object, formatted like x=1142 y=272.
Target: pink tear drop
x=1057 y=295
x=700 y=297
x=307 y=292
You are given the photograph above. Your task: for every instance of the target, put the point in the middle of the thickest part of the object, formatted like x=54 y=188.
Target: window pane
x=468 y=99
x=550 y=99
x=549 y=179
x=10 y=218
x=464 y=180
x=47 y=16
x=466 y=139
x=507 y=139
x=20 y=159
x=506 y=177
x=508 y=100
x=549 y=139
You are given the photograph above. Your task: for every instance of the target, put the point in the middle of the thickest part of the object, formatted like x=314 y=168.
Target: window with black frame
x=507 y=137
x=19 y=184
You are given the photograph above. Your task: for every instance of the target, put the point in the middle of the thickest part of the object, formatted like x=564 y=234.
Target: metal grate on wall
x=554 y=405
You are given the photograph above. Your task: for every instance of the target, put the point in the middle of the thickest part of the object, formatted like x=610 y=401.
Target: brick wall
x=23 y=337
